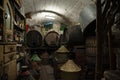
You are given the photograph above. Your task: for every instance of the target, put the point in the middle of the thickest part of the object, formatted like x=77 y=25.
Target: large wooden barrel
x=75 y=36
x=34 y=39
x=52 y=39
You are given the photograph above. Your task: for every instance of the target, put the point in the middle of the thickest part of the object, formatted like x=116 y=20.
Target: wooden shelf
x=7 y=43
x=17 y=4
x=19 y=45
x=19 y=13
x=18 y=42
x=1 y=8
x=19 y=59
x=5 y=64
x=18 y=28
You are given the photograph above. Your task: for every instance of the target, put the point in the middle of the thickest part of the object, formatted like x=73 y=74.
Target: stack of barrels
x=36 y=40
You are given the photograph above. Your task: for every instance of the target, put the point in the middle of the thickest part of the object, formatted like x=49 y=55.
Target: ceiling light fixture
x=50 y=17
x=47 y=14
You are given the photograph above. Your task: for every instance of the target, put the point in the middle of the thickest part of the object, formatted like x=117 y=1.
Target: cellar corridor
x=59 y=40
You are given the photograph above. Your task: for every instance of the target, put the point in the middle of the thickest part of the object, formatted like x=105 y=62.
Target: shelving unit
x=19 y=26
x=19 y=31
x=12 y=31
x=8 y=59
x=17 y=3
x=19 y=21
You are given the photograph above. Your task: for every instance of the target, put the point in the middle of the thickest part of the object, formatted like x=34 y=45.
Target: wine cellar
x=59 y=40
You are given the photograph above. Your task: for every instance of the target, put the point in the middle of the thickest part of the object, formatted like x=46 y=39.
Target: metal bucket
x=87 y=15
x=52 y=39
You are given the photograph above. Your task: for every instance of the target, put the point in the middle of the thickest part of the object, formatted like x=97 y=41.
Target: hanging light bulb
x=50 y=17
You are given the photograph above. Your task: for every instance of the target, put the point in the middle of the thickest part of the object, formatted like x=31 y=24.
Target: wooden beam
x=111 y=21
x=99 y=35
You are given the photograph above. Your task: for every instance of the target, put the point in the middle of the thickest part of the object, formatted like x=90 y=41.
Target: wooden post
x=100 y=40
x=110 y=21
x=111 y=53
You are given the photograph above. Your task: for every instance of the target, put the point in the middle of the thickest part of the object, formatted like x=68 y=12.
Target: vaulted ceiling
x=67 y=11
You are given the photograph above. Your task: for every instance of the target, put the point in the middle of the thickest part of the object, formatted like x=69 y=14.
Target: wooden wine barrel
x=34 y=39
x=52 y=39
x=75 y=36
